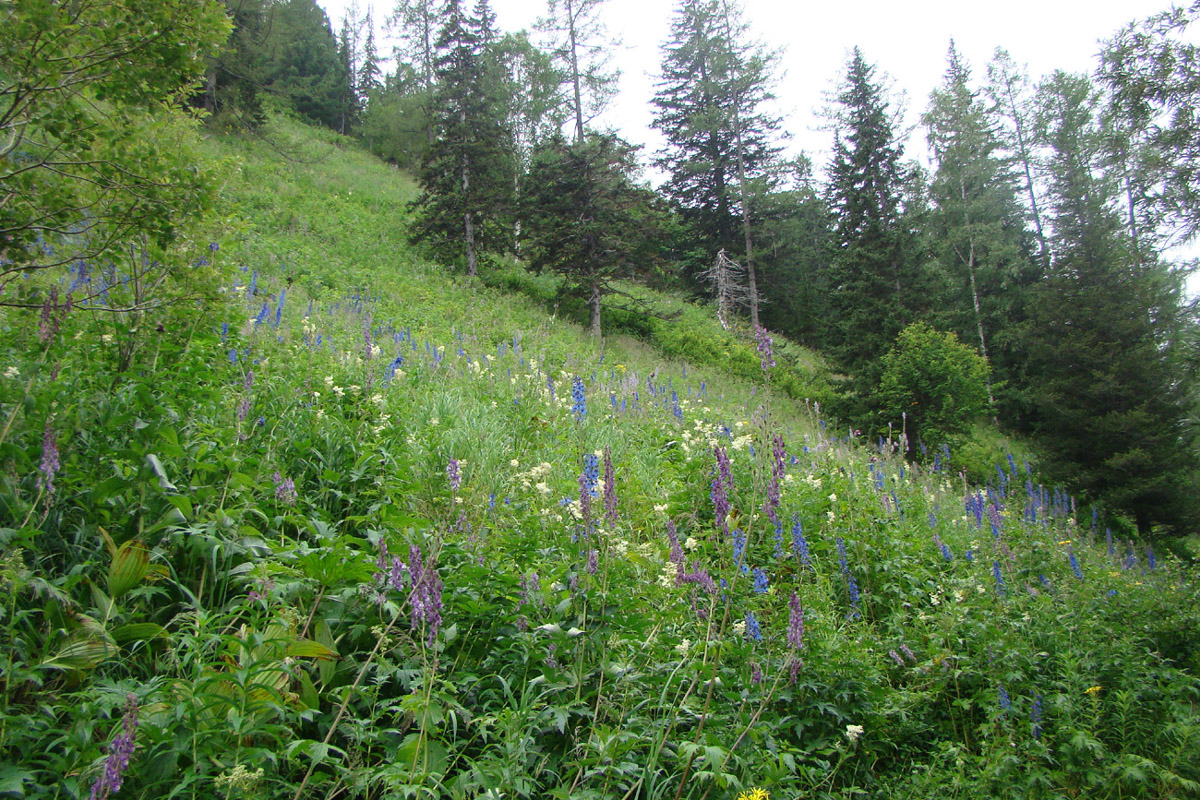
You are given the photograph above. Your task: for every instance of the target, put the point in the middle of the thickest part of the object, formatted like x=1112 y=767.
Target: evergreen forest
x=377 y=423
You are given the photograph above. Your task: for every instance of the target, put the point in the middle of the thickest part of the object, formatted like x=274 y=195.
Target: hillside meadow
x=338 y=522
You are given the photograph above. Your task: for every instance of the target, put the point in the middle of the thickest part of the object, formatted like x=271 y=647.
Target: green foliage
x=933 y=384
x=97 y=153
x=214 y=545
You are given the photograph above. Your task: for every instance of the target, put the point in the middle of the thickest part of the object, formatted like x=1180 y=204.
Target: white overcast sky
x=905 y=40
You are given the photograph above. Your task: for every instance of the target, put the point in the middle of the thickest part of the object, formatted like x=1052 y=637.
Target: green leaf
x=139 y=631
x=307 y=648
x=129 y=567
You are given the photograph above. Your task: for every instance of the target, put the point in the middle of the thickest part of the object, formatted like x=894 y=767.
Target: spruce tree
x=585 y=215
x=720 y=142
x=975 y=227
x=1110 y=406
x=466 y=179
x=875 y=275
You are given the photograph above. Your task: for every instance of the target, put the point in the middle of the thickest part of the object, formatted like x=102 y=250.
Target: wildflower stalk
x=346 y=700
x=753 y=721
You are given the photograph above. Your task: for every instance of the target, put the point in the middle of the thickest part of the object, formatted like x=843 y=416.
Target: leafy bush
x=932 y=384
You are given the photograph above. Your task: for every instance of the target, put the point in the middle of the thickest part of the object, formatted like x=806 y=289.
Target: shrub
x=934 y=383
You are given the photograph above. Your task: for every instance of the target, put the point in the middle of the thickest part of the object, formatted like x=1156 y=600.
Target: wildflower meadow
x=347 y=526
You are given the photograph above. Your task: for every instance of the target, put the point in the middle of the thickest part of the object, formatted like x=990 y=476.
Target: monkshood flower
x=425 y=597
x=453 y=475
x=721 y=484
x=701 y=578
x=795 y=633
x=119 y=752
x=285 y=490
x=610 y=488
x=579 y=400
x=763 y=339
x=676 y=550
x=49 y=465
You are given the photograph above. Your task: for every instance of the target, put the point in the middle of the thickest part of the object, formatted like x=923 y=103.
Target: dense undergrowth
x=359 y=528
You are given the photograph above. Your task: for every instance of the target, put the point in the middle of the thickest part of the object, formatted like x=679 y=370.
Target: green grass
x=574 y=654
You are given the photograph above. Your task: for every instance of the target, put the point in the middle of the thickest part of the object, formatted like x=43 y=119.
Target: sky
x=907 y=42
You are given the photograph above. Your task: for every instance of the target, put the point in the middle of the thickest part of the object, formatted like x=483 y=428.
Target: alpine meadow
x=373 y=427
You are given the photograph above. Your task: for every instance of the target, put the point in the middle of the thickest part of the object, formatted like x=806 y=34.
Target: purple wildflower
x=767 y=358
x=610 y=489
x=756 y=676
x=425 y=597
x=593 y=562
x=1035 y=717
x=50 y=464
x=799 y=543
x=453 y=475
x=908 y=653
x=1074 y=563
x=285 y=490
x=720 y=489
x=119 y=752
x=1005 y=701
x=753 y=629
x=795 y=634
x=760 y=581
x=701 y=578
x=896 y=657
x=578 y=398
x=48 y=326
x=999 y=576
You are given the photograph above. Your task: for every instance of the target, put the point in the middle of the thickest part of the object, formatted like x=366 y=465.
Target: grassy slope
x=966 y=632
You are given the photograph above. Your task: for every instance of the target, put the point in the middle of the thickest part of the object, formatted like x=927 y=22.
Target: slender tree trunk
x=575 y=72
x=1026 y=164
x=751 y=274
x=468 y=221
x=970 y=262
x=594 y=304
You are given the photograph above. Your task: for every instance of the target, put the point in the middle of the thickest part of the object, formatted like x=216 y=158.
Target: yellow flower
x=1095 y=690
x=754 y=794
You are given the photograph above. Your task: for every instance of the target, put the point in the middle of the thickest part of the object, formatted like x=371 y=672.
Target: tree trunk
x=575 y=72
x=468 y=222
x=594 y=303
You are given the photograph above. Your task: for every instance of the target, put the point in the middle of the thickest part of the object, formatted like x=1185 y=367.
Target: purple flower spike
x=119 y=753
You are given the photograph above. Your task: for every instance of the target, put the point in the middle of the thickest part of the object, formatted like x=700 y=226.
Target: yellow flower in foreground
x=754 y=794
x=1095 y=690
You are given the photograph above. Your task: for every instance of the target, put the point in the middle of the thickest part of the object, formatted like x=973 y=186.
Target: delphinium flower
x=578 y=398
x=999 y=576
x=119 y=752
x=767 y=358
x=49 y=465
x=753 y=629
x=946 y=554
x=610 y=489
x=285 y=490
x=799 y=543
x=1035 y=717
x=851 y=583
x=760 y=581
x=1151 y=558
x=453 y=475
x=739 y=550
x=1074 y=563
x=778 y=539
x=1005 y=701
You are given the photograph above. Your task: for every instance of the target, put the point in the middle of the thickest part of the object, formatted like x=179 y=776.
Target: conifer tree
x=875 y=277
x=585 y=215
x=976 y=230
x=467 y=175
x=720 y=142
x=1110 y=405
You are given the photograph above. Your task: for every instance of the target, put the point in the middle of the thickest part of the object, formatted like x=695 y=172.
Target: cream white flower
x=683 y=647
x=12 y=372
x=691 y=543
x=853 y=732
